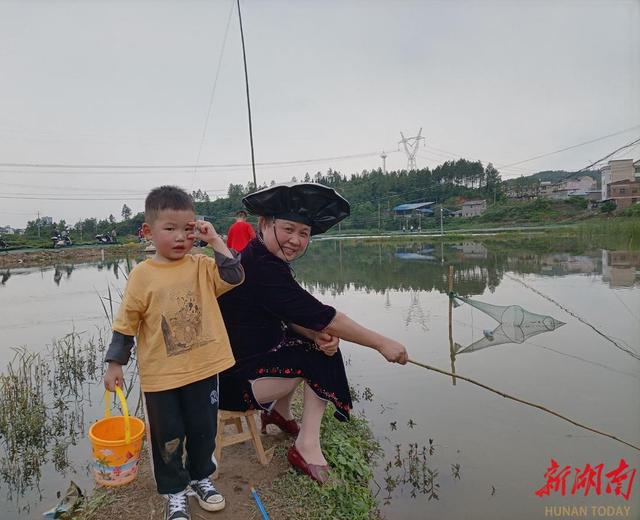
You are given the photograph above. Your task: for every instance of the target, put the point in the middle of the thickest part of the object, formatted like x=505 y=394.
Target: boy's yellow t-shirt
x=172 y=310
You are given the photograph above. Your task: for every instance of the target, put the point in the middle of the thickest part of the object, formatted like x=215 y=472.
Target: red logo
x=618 y=481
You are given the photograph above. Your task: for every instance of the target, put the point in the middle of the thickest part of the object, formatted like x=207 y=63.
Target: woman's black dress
x=256 y=314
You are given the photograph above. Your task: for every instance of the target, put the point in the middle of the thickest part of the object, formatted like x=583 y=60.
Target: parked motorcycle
x=105 y=238
x=61 y=239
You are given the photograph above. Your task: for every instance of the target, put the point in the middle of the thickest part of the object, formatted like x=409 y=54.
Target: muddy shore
x=79 y=254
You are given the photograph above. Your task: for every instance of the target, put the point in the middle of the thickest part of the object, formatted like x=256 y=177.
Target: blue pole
x=265 y=516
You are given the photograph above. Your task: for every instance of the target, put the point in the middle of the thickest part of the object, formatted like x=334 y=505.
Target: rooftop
x=415 y=205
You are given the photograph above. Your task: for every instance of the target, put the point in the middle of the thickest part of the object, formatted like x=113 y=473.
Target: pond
x=452 y=450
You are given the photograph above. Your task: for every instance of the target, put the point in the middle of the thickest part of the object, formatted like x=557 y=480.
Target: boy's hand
x=113 y=376
x=203 y=230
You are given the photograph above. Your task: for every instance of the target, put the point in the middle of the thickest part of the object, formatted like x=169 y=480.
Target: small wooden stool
x=227 y=439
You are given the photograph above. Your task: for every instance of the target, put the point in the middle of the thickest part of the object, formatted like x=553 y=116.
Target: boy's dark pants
x=184 y=417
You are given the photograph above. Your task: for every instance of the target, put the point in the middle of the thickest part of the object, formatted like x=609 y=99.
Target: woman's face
x=285 y=239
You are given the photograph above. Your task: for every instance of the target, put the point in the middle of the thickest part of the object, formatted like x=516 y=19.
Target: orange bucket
x=116 y=444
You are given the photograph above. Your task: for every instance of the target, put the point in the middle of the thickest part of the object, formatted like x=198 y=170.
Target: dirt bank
x=239 y=470
x=39 y=257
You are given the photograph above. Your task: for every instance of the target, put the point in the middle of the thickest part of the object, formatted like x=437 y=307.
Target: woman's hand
x=327 y=343
x=393 y=351
x=113 y=376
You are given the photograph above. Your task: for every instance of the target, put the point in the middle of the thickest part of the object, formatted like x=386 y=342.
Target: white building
x=584 y=183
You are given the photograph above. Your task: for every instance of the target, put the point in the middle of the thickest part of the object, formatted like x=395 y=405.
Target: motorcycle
x=61 y=239
x=3 y=244
x=105 y=238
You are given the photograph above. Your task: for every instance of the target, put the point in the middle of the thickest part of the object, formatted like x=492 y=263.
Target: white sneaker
x=177 y=507
x=208 y=496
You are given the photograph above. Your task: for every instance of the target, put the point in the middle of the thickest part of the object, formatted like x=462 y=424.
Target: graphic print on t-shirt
x=182 y=327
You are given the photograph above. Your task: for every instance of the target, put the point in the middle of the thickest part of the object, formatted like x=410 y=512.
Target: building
x=624 y=193
x=545 y=189
x=617 y=170
x=582 y=184
x=569 y=187
x=473 y=208
x=425 y=208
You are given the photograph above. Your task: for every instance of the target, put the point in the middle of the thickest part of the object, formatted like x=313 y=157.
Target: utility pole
x=246 y=81
x=411 y=145
x=379 y=220
x=441 y=227
x=38 y=221
x=383 y=155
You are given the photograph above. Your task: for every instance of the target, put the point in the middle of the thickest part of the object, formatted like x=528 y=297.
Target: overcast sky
x=131 y=83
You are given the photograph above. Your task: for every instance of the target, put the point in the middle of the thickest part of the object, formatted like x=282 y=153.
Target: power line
x=636 y=141
x=436 y=151
x=71 y=198
x=569 y=147
x=187 y=167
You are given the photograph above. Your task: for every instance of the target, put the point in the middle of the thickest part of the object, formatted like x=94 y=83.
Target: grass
x=350 y=449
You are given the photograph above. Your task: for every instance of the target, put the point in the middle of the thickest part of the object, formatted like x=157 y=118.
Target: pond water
x=451 y=449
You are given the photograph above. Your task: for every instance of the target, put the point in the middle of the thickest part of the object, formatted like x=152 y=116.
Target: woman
x=280 y=334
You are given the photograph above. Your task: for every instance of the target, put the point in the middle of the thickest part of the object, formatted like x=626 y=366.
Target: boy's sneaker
x=177 y=507
x=208 y=496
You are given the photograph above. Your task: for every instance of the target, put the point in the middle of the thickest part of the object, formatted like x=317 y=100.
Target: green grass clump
x=349 y=448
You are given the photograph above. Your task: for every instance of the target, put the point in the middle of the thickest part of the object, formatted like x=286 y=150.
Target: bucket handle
x=125 y=411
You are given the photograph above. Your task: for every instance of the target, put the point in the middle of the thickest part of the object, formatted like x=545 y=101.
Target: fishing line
x=211 y=96
x=608 y=338
x=534 y=405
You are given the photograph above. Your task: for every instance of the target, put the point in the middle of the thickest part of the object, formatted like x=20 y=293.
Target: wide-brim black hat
x=315 y=205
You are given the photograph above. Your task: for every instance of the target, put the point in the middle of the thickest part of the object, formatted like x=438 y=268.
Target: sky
x=100 y=101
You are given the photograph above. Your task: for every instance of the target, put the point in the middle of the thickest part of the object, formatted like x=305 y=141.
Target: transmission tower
x=383 y=156
x=411 y=145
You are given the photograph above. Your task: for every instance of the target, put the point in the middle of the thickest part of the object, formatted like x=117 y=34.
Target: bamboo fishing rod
x=538 y=406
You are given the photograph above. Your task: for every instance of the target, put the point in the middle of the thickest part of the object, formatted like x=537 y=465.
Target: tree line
x=372 y=194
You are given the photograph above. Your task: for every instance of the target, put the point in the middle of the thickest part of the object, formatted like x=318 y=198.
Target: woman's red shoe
x=319 y=473
x=272 y=417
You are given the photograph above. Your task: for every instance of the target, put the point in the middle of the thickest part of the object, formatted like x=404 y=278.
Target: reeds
x=42 y=406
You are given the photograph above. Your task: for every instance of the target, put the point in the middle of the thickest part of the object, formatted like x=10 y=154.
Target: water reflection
x=59 y=270
x=620 y=268
x=420 y=265
x=119 y=267
x=479 y=266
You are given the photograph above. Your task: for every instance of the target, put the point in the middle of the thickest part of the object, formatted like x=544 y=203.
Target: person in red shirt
x=241 y=232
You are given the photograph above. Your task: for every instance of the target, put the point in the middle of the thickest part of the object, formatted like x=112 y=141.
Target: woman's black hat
x=315 y=205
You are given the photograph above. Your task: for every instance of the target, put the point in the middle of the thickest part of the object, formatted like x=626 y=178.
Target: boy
x=170 y=306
